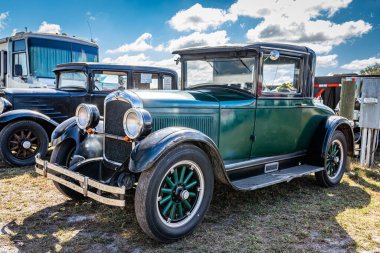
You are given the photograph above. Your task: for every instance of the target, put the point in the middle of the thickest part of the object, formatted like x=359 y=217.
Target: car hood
x=205 y=97
x=30 y=91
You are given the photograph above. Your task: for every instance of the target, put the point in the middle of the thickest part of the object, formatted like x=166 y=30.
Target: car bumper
x=80 y=183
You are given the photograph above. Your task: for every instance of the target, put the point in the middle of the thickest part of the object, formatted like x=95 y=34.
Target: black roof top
x=237 y=47
x=107 y=66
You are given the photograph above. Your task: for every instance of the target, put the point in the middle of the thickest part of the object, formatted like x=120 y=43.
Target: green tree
x=371 y=70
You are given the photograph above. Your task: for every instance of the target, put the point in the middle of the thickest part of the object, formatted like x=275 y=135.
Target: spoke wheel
x=21 y=140
x=334 y=159
x=23 y=144
x=180 y=193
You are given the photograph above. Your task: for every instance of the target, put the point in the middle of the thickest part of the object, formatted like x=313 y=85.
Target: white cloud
x=196 y=39
x=46 y=27
x=198 y=18
x=3 y=17
x=297 y=22
x=142 y=43
x=357 y=65
x=327 y=61
x=14 y=31
x=90 y=16
x=143 y=60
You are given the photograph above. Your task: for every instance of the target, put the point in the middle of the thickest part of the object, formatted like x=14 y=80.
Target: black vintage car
x=29 y=116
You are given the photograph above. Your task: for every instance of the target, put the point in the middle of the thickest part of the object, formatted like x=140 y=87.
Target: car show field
x=290 y=217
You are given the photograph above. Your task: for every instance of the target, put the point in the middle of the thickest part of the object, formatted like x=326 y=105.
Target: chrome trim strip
x=261 y=161
x=285 y=50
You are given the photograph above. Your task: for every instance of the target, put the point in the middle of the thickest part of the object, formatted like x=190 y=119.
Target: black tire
x=17 y=134
x=327 y=177
x=149 y=188
x=62 y=155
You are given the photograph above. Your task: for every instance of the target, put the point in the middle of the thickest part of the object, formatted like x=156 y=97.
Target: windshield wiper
x=245 y=65
x=212 y=66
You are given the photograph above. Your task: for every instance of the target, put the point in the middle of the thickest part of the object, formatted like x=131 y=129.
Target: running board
x=275 y=177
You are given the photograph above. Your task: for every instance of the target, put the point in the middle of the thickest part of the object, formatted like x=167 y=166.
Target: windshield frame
x=58 y=78
x=220 y=55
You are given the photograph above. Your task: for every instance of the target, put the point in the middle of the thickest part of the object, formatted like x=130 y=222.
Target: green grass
x=291 y=217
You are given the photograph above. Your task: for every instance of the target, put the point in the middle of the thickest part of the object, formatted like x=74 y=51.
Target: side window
x=110 y=81
x=145 y=81
x=167 y=82
x=19 y=58
x=281 y=76
x=72 y=80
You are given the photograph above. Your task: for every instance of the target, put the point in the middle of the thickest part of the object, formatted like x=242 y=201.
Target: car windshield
x=233 y=72
x=72 y=80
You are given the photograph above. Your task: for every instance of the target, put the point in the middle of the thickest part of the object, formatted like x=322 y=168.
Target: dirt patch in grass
x=291 y=217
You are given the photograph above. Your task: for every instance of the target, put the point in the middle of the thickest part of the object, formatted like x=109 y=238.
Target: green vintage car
x=244 y=117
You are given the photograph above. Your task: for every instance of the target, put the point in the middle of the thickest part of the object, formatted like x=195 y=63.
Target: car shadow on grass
x=294 y=217
x=7 y=172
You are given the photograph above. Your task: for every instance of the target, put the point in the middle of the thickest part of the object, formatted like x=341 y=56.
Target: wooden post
x=347 y=99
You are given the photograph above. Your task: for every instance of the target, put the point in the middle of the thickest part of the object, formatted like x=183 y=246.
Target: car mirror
x=274 y=55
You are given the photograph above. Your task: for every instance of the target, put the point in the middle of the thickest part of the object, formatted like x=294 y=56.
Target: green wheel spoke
x=169 y=181
x=167 y=207
x=180 y=210
x=186 y=203
x=166 y=190
x=192 y=184
x=166 y=199
x=192 y=194
x=182 y=176
x=188 y=177
x=172 y=212
x=175 y=176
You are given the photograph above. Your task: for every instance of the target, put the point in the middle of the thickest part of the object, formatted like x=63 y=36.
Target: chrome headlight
x=87 y=116
x=5 y=105
x=137 y=123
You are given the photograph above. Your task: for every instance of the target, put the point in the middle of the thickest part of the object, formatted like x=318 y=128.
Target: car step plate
x=275 y=177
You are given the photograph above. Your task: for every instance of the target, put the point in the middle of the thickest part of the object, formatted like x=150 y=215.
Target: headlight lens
x=87 y=116
x=137 y=123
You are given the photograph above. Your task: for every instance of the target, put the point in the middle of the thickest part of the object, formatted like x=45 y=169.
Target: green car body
x=239 y=128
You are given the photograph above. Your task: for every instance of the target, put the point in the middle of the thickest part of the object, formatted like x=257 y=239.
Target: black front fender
x=87 y=145
x=148 y=151
x=22 y=114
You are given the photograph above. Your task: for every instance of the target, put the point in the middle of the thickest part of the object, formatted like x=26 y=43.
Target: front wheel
x=173 y=197
x=335 y=161
x=62 y=155
x=21 y=141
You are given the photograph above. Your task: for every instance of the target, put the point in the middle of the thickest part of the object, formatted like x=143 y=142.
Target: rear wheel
x=62 y=155
x=173 y=197
x=336 y=161
x=21 y=141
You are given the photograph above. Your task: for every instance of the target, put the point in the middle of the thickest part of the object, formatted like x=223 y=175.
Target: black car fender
x=149 y=150
x=86 y=145
x=23 y=114
x=323 y=137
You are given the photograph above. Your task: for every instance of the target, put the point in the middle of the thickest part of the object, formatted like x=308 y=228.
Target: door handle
x=301 y=105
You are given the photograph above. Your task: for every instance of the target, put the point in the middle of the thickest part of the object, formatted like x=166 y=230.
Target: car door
x=279 y=106
x=105 y=82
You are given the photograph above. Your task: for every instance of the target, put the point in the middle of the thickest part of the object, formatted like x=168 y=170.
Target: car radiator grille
x=115 y=150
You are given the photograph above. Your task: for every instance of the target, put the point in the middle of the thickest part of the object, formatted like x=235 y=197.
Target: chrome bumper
x=83 y=184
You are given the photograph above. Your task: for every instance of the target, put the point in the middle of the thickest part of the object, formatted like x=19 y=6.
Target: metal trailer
x=28 y=58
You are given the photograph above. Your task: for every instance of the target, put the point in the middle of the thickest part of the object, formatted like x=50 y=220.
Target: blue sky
x=344 y=33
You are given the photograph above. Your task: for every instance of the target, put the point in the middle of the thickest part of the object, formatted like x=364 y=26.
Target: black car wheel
x=173 y=197
x=62 y=155
x=336 y=161
x=21 y=141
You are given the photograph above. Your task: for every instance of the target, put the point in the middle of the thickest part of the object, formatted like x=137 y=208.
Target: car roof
x=243 y=47
x=109 y=66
